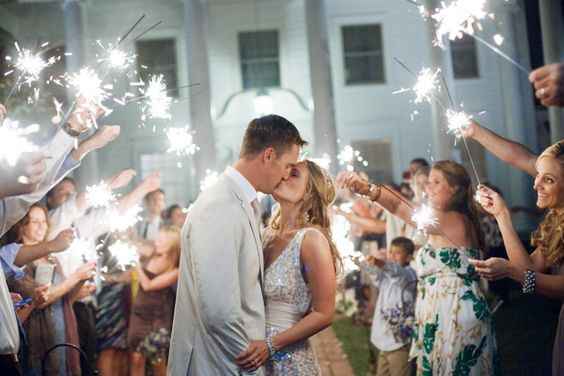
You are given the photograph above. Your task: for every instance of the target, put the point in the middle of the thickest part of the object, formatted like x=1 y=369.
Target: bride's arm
x=320 y=272
x=318 y=262
x=385 y=196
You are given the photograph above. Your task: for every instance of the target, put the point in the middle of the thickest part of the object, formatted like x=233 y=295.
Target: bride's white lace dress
x=288 y=300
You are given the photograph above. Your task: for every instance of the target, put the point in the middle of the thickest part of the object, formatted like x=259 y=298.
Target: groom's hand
x=254 y=357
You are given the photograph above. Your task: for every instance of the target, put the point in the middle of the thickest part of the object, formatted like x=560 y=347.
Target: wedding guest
x=41 y=174
x=151 y=314
x=175 y=215
x=548 y=82
x=392 y=325
x=543 y=270
x=154 y=201
x=453 y=323
x=54 y=321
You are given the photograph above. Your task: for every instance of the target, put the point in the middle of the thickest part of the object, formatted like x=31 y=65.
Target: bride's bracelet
x=374 y=191
x=271 y=349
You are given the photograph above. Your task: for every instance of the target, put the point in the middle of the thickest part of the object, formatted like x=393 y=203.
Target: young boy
x=393 y=317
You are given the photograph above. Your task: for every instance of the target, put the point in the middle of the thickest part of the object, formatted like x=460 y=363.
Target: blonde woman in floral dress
x=453 y=325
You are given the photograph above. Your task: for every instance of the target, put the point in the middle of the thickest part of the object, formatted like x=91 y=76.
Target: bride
x=300 y=274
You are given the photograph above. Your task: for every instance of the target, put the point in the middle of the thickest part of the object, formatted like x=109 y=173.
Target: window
x=464 y=58
x=174 y=180
x=158 y=56
x=260 y=59
x=363 y=54
x=378 y=154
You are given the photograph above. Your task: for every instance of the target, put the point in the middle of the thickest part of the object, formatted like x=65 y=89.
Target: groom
x=219 y=305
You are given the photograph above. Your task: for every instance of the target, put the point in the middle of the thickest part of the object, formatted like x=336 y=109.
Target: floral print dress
x=454 y=333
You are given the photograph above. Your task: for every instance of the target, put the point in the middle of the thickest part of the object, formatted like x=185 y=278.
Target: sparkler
x=157 y=103
x=463 y=17
x=424 y=218
x=13 y=141
x=125 y=253
x=88 y=85
x=29 y=65
x=323 y=162
x=100 y=195
x=120 y=222
x=340 y=229
x=348 y=156
x=458 y=18
x=457 y=121
x=209 y=180
x=427 y=84
x=181 y=142
x=80 y=247
x=115 y=58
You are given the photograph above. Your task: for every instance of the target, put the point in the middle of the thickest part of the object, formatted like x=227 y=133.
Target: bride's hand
x=354 y=182
x=254 y=357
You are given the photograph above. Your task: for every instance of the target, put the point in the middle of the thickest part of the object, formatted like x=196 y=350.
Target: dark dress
x=558 y=349
x=151 y=321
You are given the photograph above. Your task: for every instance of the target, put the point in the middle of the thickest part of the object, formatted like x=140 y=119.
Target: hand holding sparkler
x=492 y=202
x=122 y=178
x=493 y=268
x=62 y=241
x=152 y=182
x=353 y=182
x=24 y=176
x=101 y=138
x=84 y=272
x=549 y=84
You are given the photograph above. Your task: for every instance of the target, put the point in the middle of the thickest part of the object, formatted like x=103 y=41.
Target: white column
x=442 y=142
x=516 y=96
x=324 y=127
x=198 y=71
x=552 y=31
x=88 y=172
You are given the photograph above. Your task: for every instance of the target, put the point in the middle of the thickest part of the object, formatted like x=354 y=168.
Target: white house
x=325 y=64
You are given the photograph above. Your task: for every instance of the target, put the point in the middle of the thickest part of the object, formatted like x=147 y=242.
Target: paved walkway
x=332 y=359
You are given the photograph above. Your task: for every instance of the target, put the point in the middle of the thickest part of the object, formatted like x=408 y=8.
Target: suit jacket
x=219 y=303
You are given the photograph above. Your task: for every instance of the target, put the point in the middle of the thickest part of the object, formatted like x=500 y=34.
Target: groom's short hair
x=270 y=131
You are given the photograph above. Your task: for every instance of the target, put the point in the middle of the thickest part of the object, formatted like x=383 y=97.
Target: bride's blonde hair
x=314 y=212
x=549 y=237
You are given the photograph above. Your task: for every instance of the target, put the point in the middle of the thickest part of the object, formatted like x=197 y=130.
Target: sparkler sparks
x=100 y=195
x=120 y=222
x=30 y=64
x=181 y=142
x=115 y=57
x=424 y=218
x=13 y=141
x=323 y=162
x=157 y=103
x=88 y=85
x=427 y=84
x=457 y=121
x=457 y=18
x=125 y=253
x=348 y=156
x=209 y=180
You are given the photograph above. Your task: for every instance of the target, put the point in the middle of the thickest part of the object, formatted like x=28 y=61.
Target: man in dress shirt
x=51 y=158
x=154 y=205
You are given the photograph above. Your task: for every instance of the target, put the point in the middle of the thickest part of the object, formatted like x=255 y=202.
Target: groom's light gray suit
x=219 y=302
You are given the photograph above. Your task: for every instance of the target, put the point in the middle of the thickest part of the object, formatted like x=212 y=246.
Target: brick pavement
x=332 y=359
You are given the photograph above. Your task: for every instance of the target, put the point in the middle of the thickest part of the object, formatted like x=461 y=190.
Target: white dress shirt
x=241 y=181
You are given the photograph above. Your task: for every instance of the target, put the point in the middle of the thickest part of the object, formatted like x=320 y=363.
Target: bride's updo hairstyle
x=462 y=201
x=549 y=237
x=319 y=196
